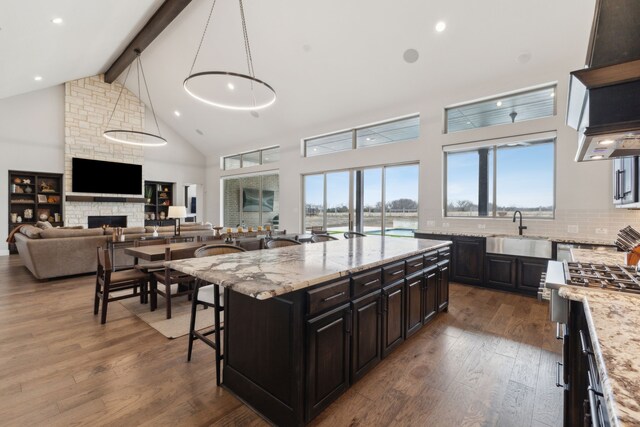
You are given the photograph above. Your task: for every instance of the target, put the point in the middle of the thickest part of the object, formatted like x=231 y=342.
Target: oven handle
x=559 y=331
x=583 y=344
x=558 y=375
x=593 y=408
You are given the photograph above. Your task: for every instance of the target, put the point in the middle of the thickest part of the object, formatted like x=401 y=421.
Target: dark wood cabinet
x=430 y=294
x=413 y=303
x=328 y=358
x=366 y=348
x=158 y=197
x=392 y=317
x=529 y=273
x=468 y=260
x=443 y=285
x=500 y=271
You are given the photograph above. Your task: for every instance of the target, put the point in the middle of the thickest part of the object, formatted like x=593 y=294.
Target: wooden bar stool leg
x=96 y=298
x=105 y=302
x=216 y=322
x=154 y=293
x=167 y=298
x=192 y=324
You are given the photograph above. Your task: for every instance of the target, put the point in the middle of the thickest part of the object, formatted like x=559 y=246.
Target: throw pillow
x=44 y=225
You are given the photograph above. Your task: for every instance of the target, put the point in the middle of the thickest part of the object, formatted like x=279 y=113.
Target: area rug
x=178 y=325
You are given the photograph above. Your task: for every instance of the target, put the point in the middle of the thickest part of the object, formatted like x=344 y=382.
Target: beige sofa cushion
x=195 y=227
x=54 y=233
x=162 y=230
x=44 y=225
x=31 y=231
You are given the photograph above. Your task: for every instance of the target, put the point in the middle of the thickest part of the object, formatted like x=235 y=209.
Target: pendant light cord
x=153 y=111
x=119 y=95
x=247 y=46
x=202 y=38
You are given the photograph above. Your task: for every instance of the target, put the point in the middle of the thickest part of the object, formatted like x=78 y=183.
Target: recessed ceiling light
x=597 y=157
x=199 y=132
x=499 y=103
x=177 y=113
x=440 y=26
x=231 y=86
x=255 y=114
x=57 y=21
x=523 y=57
x=37 y=78
x=606 y=142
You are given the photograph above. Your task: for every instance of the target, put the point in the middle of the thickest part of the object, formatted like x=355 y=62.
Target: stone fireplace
x=88 y=104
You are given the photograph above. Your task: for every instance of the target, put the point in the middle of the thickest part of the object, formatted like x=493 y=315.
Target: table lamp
x=177 y=213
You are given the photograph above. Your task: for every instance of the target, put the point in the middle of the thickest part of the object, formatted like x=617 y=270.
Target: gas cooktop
x=610 y=277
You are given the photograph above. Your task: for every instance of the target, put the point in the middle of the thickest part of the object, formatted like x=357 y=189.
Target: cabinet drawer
x=444 y=253
x=415 y=264
x=392 y=272
x=327 y=296
x=366 y=282
x=430 y=258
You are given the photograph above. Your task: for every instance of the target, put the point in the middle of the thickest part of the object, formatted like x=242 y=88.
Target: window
x=251 y=200
x=378 y=200
x=496 y=180
x=516 y=107
x=366 y=136
x=252 y=158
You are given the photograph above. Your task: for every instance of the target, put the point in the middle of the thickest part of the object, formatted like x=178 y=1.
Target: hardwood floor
x=489 y=361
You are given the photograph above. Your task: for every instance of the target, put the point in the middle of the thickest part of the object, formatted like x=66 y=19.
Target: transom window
x=251 y=158
x=366 y=136
x=498 y=110
x=495 y=180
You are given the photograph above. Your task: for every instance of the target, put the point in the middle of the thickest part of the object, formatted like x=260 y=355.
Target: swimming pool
x=396 y=232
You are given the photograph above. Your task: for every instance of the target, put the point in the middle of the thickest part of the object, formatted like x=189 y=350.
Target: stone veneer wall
x=88 y=104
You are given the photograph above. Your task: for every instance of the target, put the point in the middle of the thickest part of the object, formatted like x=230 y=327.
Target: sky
x=401 y=183
x=525 y=176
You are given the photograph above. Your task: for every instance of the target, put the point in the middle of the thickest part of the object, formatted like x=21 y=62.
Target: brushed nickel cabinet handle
x=333 y=297
x=371 y=282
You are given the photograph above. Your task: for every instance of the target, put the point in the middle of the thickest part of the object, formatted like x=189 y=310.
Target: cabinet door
x=443 y=286
x=366 y=349
x=617 y=183
x=468 y=259
x=529 y=273
x=392 y=317
x=413 y=289
x=327 y=358
x=500 y=271
x=628 y=180
x=430 y=295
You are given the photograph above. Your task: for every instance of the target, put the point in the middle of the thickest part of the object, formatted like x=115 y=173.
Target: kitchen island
x=303 y=323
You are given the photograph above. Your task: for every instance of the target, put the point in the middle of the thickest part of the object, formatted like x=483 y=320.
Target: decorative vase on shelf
x=162 y=215
x=28 y=190
x=44 y=217
x=28 y=213
x=14 y=217
x=155 y=231
x=19 y=219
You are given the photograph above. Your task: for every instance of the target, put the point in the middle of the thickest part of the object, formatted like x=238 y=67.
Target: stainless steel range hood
x=604 y=97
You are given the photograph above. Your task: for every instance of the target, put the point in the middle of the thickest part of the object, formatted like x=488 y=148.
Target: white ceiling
x=326 y=60
x=91 y=37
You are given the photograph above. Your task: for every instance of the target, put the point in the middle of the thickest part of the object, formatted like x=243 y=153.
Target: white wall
x=583 y=190
x=31 y=139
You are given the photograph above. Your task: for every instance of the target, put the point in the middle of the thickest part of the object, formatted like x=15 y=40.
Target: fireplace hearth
x=107 y=220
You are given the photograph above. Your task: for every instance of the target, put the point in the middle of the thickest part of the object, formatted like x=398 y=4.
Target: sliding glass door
x=377 y=200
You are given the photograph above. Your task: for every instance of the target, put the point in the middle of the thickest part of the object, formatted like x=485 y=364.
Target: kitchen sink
x=529 y=246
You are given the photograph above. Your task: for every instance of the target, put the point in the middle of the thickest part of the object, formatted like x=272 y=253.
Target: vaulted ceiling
x=326 y=60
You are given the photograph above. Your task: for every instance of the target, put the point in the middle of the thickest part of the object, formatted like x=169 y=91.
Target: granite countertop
x=271 y=272
x=599 y=256
x=564 y=239
x=613 y=320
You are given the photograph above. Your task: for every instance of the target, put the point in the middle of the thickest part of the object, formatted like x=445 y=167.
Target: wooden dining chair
x=181 y=239
x=353 y=235
x=108 y=281
x=169 y=277
x=211 y=238
x=322 y=238
x=149 y=266
x=280 y=243
x=209 y=296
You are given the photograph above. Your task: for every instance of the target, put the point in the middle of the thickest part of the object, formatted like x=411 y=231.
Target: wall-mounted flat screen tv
x=97 y=176
x=251 y=200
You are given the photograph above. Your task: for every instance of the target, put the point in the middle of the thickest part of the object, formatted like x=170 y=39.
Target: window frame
x=495 y=144
x=501 y=97
x=239 y=177
x=260 y=152
x=354 y=135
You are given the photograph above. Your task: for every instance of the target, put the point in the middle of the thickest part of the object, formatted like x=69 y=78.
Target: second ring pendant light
x=226 y=89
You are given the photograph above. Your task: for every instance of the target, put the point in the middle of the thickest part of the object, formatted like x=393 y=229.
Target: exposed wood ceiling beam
x=160 y=20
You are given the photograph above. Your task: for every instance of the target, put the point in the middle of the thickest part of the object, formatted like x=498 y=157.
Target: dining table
x=156 y=252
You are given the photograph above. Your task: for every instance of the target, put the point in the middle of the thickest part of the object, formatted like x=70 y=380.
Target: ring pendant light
x=230 y=90
x=133 y=137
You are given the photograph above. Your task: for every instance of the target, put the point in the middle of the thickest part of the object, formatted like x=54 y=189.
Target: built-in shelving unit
x=158 y=198
x=32 y=195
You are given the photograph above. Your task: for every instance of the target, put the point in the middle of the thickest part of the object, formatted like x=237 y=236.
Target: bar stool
x=209 y=296
x=322 y=238
x=353 y=235
x=280 y=243
x=169 y=277
x=108 y=281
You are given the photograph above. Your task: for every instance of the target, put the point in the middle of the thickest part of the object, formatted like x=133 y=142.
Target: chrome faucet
x=520 y=227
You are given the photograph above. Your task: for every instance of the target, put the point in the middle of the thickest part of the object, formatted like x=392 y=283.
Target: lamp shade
x=177 y=212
